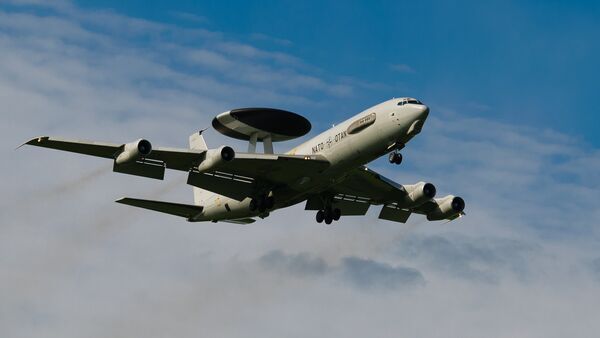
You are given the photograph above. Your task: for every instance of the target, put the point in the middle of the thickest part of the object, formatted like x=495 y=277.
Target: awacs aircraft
x=328 y=171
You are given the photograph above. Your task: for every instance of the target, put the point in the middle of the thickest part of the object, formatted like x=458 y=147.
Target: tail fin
x=197 y=142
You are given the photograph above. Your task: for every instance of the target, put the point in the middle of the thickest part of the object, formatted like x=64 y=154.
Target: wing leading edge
x=151 y=164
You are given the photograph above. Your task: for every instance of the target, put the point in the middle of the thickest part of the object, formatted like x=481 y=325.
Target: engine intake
x=214 y=157
x=134 y=151
x=448 y=208
x=418 y=194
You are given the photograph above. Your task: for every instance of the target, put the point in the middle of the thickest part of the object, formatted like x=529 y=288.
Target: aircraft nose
x=423 y=111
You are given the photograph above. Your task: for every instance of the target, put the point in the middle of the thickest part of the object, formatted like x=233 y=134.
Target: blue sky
x=525 y=62
x=512 y=130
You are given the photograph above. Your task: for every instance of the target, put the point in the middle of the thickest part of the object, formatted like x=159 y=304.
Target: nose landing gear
x=395 y=158
x=328 y=215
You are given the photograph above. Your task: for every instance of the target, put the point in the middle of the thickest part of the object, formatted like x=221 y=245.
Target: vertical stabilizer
x=197 y=142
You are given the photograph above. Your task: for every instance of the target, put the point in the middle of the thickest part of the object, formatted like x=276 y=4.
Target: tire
x=398 y=158
x=337 y=213
x=392 y=158
x=260 y=205
x=320 y=216
x=328 y=219
x=270 y=202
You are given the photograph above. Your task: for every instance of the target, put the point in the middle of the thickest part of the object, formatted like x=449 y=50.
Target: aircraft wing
x=250 y=172
x=172 y=158
x=274 y=168
x=360 y=189
x=238 y=178
x=370 y=185
x=364 y=187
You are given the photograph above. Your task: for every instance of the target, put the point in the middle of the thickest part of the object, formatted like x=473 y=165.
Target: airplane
x=328 y=172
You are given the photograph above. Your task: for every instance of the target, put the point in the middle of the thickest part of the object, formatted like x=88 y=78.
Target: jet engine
x=134 y=151
x=214 y=157
x=418 y=194
x=448 y=207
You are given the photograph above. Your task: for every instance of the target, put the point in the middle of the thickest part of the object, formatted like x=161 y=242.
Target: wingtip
x=122 y=200
x=33 y=141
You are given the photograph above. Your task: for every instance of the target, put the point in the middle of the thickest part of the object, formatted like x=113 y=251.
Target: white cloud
x=73 y=263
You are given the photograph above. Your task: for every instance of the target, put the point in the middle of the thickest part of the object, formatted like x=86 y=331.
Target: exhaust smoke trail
x=52 y=193
x=65 y=253
x=73 y=185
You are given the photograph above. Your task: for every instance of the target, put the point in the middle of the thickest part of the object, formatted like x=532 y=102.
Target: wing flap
x=140 y=168
x=229 y=185
x=184 y=210
x=394 y=214
x=348 y=205
x=279 y=169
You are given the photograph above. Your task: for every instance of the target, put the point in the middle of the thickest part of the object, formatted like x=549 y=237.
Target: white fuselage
x=348 y=145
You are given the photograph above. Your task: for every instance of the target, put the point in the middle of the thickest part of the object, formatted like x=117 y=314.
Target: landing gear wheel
x=398 y=158
x=395 y=158
x=320 y=216
x=269 y=202
x=260 y=205
x=328 y=216
x=337 y=213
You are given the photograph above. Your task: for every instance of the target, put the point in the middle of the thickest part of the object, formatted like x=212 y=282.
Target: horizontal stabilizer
x=183 y=210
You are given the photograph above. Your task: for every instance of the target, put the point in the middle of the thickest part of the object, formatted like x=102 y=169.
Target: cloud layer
x=72 y=263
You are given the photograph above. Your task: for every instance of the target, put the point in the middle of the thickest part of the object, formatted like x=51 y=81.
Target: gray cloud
x=369 y=274
x=363 y=273
x=301 y=264
x=478 y=259
x=595 y=267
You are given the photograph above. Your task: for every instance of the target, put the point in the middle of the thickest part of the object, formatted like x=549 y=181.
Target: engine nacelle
x=214 y=157
x=418 y=194
x=448 y=207
x=134 y=151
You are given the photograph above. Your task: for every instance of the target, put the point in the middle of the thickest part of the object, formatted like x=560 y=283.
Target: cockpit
x=408 y=100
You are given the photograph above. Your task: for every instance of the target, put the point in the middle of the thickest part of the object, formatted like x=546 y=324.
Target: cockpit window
x=407 y=101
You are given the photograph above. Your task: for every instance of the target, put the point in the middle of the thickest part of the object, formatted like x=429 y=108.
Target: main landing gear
x=395 y=157
x=262 y=203
x=328 y=215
